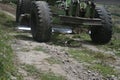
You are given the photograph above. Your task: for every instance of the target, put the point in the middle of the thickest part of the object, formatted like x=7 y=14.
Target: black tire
x=23 y=7
x=18 y=10
x=40 y=21
x=26 y=6
x=102 y=34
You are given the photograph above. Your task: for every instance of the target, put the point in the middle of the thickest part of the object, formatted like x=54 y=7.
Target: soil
x=8 y=8
x=69 y=67
x=26 y=53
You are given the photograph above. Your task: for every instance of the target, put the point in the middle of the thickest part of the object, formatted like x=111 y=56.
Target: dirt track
x=30 y=52
x=69 y=67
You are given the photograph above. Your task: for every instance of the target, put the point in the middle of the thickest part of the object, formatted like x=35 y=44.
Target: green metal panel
x=90 y=11
x=68 y=3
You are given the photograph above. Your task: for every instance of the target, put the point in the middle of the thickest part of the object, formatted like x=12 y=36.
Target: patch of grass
x=116 y=29
x=39 y=48
x=82 y=36
x=52 y=60
x=42 y=75
x=71 y=40
x=6 y=20
x=7 y=67
x=73 y=43
x=104 y=57
x=81 y=55
x=116 y=14
x=96 y=60
x=113 y=45
x=89 y=56
x=51 y=76
x=59 y=39
x=105 y=70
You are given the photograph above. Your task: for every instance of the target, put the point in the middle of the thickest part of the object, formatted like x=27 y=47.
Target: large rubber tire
x=18 y=10
x=41 y=21
x=23 y=7
x=26 y=6
x=102 y=34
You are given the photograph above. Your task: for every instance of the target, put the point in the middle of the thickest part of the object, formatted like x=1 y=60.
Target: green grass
x=81 y=55
x=52 y=60
x=113 y=46
x=7 y=67
x=59 y=39
x=89 y=56
x=83 y=36
x=105 y=70
x=42 y=75
x=116 y=28
x=73 y=40
x=85 y=55
x=97 y=61
x=39 y=48
x=6 y=20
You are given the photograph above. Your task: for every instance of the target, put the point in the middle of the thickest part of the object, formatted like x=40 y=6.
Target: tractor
x=38 y=15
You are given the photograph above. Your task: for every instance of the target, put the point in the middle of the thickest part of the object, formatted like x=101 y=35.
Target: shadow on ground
x=67 y=41
x=63 y=40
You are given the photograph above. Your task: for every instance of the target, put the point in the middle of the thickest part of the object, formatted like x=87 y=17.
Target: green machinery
x=38 y=15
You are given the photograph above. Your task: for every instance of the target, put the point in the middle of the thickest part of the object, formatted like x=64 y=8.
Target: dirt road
x=27 y=54
x=46 y=57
